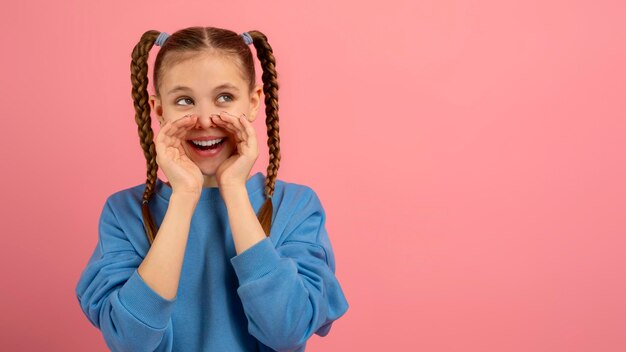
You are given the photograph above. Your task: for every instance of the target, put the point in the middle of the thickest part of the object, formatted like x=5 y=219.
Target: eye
x=230 y=98
x=184 y=98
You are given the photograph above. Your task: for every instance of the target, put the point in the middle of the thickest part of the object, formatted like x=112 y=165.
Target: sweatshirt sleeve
x=116 y=300
x=290 y=292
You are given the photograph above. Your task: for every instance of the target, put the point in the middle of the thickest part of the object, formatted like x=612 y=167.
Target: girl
x=188 y=265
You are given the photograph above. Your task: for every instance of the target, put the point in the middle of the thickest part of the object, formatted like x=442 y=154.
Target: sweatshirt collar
x=254 y=184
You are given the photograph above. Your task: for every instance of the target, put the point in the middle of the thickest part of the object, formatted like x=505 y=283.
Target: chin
x=209 y=166
x=208 y=171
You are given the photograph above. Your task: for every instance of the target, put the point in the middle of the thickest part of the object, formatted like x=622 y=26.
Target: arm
x=163 y=263
x=116 y=299
x=244 y=224
x=290 y=292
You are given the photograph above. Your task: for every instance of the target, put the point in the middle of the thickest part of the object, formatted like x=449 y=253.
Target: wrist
x=232 y=187
x=184 y=200
x=234 y=193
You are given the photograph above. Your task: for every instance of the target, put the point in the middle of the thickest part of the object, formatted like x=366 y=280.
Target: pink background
x=470 y=156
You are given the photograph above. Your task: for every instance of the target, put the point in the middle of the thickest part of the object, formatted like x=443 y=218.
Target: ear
x=255 y=102
x=155 y=105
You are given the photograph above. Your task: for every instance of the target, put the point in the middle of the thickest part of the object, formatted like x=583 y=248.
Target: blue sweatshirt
x=272 y=296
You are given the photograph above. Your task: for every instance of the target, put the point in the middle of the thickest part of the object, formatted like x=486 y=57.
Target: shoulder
x=298 y=211
x=121 y=220
x=126 y=197
x=296 y=196
x=124 y=206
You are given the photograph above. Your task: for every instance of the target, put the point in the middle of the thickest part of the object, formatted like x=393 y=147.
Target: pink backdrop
x=470 y=156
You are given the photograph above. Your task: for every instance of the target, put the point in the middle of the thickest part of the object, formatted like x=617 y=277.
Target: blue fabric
x=273 y=296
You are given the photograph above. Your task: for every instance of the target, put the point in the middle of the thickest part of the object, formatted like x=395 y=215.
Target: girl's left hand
x=234 y=171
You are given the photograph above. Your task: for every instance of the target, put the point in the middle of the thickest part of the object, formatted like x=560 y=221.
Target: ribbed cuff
x=256 y=261
x=144 y=303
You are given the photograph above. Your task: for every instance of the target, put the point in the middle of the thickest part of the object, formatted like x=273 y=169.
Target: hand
x=234 y=171
x=183 y=174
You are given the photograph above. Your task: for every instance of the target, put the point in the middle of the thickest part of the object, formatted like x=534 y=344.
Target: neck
x=209 y=182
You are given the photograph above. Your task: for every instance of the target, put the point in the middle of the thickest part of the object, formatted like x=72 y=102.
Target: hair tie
x=247 y=38
x=161 y=39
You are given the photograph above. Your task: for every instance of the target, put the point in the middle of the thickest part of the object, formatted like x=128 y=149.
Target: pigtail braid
x=139 y=79
x=270 y=89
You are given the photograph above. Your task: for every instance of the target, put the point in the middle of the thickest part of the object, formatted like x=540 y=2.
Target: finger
x=184 y=127
x=168 y=128
x=234 y=121
x=164 y=132
x=240 y=126
x=180 y=125
x=247 y=130
x=228 y=126
x=173 y=132
x=228 y=118
x=251 y=142
x=247 y=127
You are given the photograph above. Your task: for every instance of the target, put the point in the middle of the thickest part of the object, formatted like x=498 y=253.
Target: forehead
x=202 y=71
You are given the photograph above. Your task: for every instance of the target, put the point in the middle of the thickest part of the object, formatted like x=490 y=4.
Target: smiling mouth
x=206 y=145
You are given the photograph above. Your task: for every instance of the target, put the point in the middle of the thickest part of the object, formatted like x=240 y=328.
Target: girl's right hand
x=183 y=174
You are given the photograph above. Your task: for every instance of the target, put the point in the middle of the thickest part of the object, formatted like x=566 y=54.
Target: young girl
x=187 y=265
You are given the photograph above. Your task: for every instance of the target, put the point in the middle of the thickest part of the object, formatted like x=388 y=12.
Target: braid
x=139 y=79
x=270 y=88
x=197 y=39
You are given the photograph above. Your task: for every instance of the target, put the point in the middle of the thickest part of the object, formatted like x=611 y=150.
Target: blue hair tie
x=247 y=38
x=161 y=39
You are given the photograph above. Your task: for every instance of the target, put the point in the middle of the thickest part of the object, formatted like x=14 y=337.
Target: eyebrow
x=221 y=86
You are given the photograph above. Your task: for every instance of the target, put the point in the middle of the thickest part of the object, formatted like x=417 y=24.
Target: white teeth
x=207 y=143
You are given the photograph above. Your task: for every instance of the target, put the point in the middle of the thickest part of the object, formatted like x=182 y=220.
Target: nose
x=204 y=121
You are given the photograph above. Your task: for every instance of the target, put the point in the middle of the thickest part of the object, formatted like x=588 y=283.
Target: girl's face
x=203 y=85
